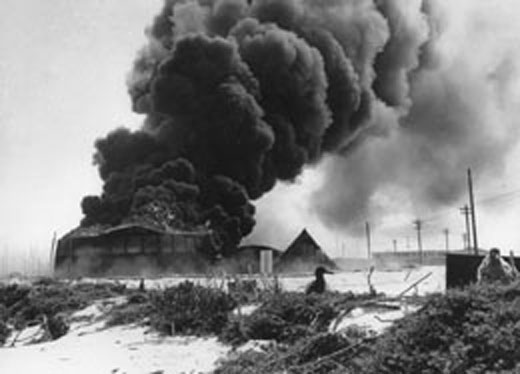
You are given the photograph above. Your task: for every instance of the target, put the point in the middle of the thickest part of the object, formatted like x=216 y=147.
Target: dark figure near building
x=494 y=269
x=318 y=285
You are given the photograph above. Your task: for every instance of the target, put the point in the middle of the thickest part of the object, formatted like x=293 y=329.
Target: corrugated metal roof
x=255 y=247
x=97 y=231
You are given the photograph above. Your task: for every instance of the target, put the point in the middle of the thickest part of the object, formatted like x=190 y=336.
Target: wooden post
x=418 y=227
x=465 y=211
x=473 y=212
x=369 y=244
x=447 y=239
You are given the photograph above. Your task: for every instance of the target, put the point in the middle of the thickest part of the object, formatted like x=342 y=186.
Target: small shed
x=461 y=267
x=132 y=249
x=303 y=255
x=248 y=258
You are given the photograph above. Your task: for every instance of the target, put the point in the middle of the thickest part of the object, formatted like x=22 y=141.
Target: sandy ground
x=119 y=350
x=91 y=348
x=392 y=283
x=373 y=320
x=389 y=282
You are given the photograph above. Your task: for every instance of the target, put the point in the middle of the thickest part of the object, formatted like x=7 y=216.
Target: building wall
x=130 y=254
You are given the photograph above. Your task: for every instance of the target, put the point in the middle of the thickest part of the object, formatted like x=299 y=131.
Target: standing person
x=494 y=269
x=318 y=285
x=513 y=265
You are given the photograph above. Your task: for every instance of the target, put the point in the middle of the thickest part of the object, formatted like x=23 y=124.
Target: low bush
x=103 y=290
x=13 y=293
x=233 y=332
x=139 y=297
x=46 y=300
x=474 y=330
x=4 y=332
x=244 y=291
x=49 y=300
x=130 y=313
x=319 y=346
x=248 y=362
x=191 y=309
x=57 y=326
x=304 y=357
x=284 y=317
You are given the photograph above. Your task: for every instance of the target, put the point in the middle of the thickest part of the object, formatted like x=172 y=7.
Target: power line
x=502 y=197
x=498 y=196
x=512 y=194
x=431 y=229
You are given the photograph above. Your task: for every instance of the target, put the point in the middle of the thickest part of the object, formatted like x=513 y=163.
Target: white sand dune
x=91 y=348
x=126 y=349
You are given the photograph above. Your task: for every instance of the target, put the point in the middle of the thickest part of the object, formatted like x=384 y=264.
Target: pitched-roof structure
x=304 y=254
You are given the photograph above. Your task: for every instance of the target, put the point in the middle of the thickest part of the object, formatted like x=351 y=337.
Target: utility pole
x=52 y=254
x=395 y=245
x=3 y=261
x=369 y=245
x=447 y=238
x=466 y=211
x=473 y=212
x=418 y=227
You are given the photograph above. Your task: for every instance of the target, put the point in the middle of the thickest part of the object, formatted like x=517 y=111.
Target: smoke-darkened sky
x=63 y=72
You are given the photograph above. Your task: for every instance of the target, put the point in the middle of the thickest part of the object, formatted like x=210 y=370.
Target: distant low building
x=408 y=258
x=303 y=255
x=353 y=263
x=132 y=250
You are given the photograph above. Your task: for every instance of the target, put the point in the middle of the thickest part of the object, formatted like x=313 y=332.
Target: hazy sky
x=63 y=65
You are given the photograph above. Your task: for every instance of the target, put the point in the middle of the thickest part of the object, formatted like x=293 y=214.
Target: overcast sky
x=63 y=65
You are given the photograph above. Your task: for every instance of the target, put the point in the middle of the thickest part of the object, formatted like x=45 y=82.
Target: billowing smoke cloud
x=241 y=94
x=447 y=109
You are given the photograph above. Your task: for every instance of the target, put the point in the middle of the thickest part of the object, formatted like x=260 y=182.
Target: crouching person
x=494 y=269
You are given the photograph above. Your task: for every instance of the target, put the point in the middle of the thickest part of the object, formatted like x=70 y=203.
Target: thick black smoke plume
x=240 y=94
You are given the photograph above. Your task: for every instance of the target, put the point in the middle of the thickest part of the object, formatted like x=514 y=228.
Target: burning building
x=133 y=249
x=238 y=95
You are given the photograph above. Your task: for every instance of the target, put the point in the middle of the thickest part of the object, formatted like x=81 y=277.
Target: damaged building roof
x=97 y=231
